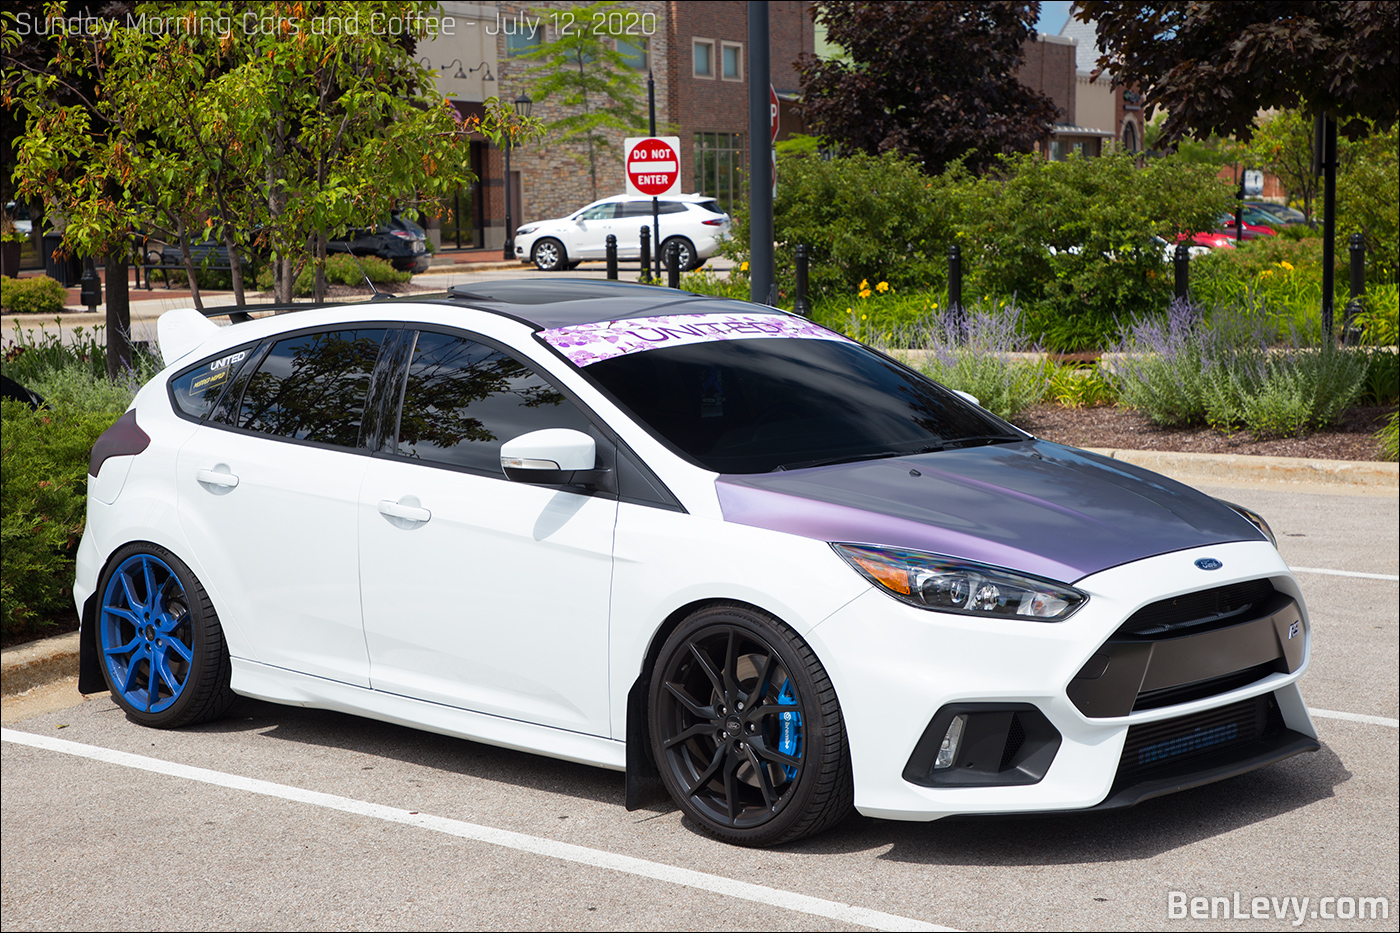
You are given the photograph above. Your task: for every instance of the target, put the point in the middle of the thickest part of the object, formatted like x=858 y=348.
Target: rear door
x=268 y=490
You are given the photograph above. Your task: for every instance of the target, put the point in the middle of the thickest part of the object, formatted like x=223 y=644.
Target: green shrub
x=31 y=358
x=1075 y=241
x=976 y=353
x=1080 y=387
x=1379 y=318
x=1381 y=385
x=36 y=295
x=1179 y=371
x=861 y=217
x=1389 y=438
x=43 y=489
x=341 y=269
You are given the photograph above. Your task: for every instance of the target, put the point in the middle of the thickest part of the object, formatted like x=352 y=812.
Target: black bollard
x=673 y=265
x=91 y=294
x=1181 y=265
x=800 y=303
x=612 y=257
x=955 y=283
x=646 y=254
x=1351 y=334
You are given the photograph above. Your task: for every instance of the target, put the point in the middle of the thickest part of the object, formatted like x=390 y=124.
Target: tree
x=934 y=81
x=1213 y=65
x=274 y=138
x=584 y=71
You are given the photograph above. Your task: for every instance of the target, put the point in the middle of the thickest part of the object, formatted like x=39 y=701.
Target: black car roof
x=563 y=302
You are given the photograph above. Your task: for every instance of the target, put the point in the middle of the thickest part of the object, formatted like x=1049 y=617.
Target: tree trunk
x=320 y=266
x=189 y=261
x=118 y=314
x=235 y=263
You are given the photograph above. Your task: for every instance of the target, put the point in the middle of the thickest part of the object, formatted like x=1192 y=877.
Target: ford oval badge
x=1209 y=563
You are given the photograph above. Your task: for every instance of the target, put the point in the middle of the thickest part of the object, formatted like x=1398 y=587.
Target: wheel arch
x=643 y=784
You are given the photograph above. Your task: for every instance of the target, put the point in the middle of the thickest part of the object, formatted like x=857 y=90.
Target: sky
x=1052 y=16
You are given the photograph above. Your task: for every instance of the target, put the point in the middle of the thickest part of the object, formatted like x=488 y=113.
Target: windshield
x=757 y=405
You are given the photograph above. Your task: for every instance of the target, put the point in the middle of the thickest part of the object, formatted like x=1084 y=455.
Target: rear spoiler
x=181 y=331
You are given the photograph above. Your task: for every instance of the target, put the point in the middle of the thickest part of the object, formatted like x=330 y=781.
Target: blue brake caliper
x=790 y=731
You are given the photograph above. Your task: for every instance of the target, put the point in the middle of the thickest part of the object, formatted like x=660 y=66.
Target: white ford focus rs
x=751 y=563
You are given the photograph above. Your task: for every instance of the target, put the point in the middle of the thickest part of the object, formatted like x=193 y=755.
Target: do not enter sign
x=653 y=165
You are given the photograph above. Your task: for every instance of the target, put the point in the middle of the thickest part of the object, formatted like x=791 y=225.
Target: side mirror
x=967 y=395
x=552 y=457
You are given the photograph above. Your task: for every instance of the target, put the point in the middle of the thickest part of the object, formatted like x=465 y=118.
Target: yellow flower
x=1268 y=272
x=1287 y=265
x=743 y=267
x=864 y=285
x=862 y=317
x=864 y=293
x=935 y=306
x=883 y=287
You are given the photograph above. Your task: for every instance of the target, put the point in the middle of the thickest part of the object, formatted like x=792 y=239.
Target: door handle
x=408 y=512
x=216 y=478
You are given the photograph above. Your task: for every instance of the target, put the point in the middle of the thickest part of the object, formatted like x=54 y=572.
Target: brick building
x=697 y=55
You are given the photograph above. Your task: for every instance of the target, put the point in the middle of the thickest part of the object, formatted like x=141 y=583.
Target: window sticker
x=585 y=344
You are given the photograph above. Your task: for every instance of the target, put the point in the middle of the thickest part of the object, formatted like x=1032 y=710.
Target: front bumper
x=895 y=667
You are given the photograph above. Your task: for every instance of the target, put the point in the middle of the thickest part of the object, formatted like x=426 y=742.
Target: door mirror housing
x=552 y=457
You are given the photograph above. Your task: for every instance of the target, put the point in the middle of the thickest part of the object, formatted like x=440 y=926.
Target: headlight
x=962 y=586
x=525 y=230
x=1254 y=518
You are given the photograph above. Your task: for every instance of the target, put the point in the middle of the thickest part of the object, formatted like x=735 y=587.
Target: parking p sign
x=652 y=165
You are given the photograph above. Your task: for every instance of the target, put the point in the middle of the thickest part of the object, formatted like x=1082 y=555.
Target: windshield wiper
x=955 y=444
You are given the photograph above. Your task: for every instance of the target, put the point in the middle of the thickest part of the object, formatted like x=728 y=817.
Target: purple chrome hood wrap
x=1031 y=506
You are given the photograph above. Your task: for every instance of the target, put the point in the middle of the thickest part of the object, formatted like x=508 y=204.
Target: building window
x=732 y=61
x=1130 y=141
x=521 y=42
x=718 y=160
x=704 y=58
x=635 y=52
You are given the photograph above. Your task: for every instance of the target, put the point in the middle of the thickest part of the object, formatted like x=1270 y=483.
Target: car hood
x=1032 y=506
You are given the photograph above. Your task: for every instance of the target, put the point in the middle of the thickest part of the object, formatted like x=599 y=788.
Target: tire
x=747 y=731
x=548 y=255
x=687 y=256
x=161 y=646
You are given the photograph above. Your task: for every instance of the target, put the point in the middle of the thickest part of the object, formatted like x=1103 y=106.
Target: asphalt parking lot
x=286 y=818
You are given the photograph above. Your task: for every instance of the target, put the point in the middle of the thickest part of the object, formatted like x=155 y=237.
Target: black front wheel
x=746 y=729
x=549 y=256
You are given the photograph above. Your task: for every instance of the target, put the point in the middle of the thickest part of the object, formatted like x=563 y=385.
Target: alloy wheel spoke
x=152 y=591
x=709 y=670
x=731 y=784
x=695 y=731
x=162 y=667
x=765 y=781
x=695 y=709
x=123 y=649
x=709 y=772
x=127 y=614
x=731 y=663
x=764 y=750
x=760 y=690
x=180 y=648
x=133 y=665
x=132 y=599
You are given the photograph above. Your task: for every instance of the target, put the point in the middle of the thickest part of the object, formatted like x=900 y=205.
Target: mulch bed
x=1124 y=429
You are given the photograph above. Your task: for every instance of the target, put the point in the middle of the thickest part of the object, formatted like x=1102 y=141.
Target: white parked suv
x=694 y=222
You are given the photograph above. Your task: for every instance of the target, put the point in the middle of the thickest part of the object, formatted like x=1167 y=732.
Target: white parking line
x=727 y=887
x=1356 y=717
x=1346 y=573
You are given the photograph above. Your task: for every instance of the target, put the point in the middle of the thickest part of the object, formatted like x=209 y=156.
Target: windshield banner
x=585 y=344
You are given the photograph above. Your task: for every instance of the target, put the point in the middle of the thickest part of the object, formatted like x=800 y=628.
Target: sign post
x=652 y=166
x=773 y=134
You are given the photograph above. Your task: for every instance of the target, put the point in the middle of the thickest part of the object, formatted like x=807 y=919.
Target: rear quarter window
x=196 y=391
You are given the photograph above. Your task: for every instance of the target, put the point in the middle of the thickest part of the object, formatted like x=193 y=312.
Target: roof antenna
x=375 y=294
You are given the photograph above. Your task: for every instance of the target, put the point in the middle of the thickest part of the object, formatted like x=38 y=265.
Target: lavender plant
x=1158 y=367
x=979 y=351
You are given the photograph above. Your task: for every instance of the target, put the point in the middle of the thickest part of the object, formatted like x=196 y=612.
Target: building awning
x=1069 y=129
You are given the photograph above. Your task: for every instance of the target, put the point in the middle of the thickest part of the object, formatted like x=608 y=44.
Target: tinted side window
x=601 y=212
x=313 y=387
x=671 y=207
x=196 y=390
x=464 y=399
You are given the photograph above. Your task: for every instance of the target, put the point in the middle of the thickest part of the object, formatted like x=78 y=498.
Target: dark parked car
x=1281 y=213
x=396 y=240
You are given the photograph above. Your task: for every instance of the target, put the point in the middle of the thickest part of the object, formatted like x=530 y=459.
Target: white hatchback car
x=693 y=222
x=708 y=543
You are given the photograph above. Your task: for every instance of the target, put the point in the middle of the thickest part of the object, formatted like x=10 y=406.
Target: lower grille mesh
x=1157 y=746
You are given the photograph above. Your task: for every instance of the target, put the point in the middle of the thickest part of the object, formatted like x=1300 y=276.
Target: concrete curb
x=1357 y=474
x=38 y=663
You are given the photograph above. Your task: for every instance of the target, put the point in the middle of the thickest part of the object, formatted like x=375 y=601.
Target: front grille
x=1200 y=689
x=1161 y=746
x=1202 y=610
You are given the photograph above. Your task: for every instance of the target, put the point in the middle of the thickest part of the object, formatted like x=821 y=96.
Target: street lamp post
x=523 y=103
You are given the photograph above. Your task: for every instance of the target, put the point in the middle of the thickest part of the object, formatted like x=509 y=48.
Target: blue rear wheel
x=161 y=646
